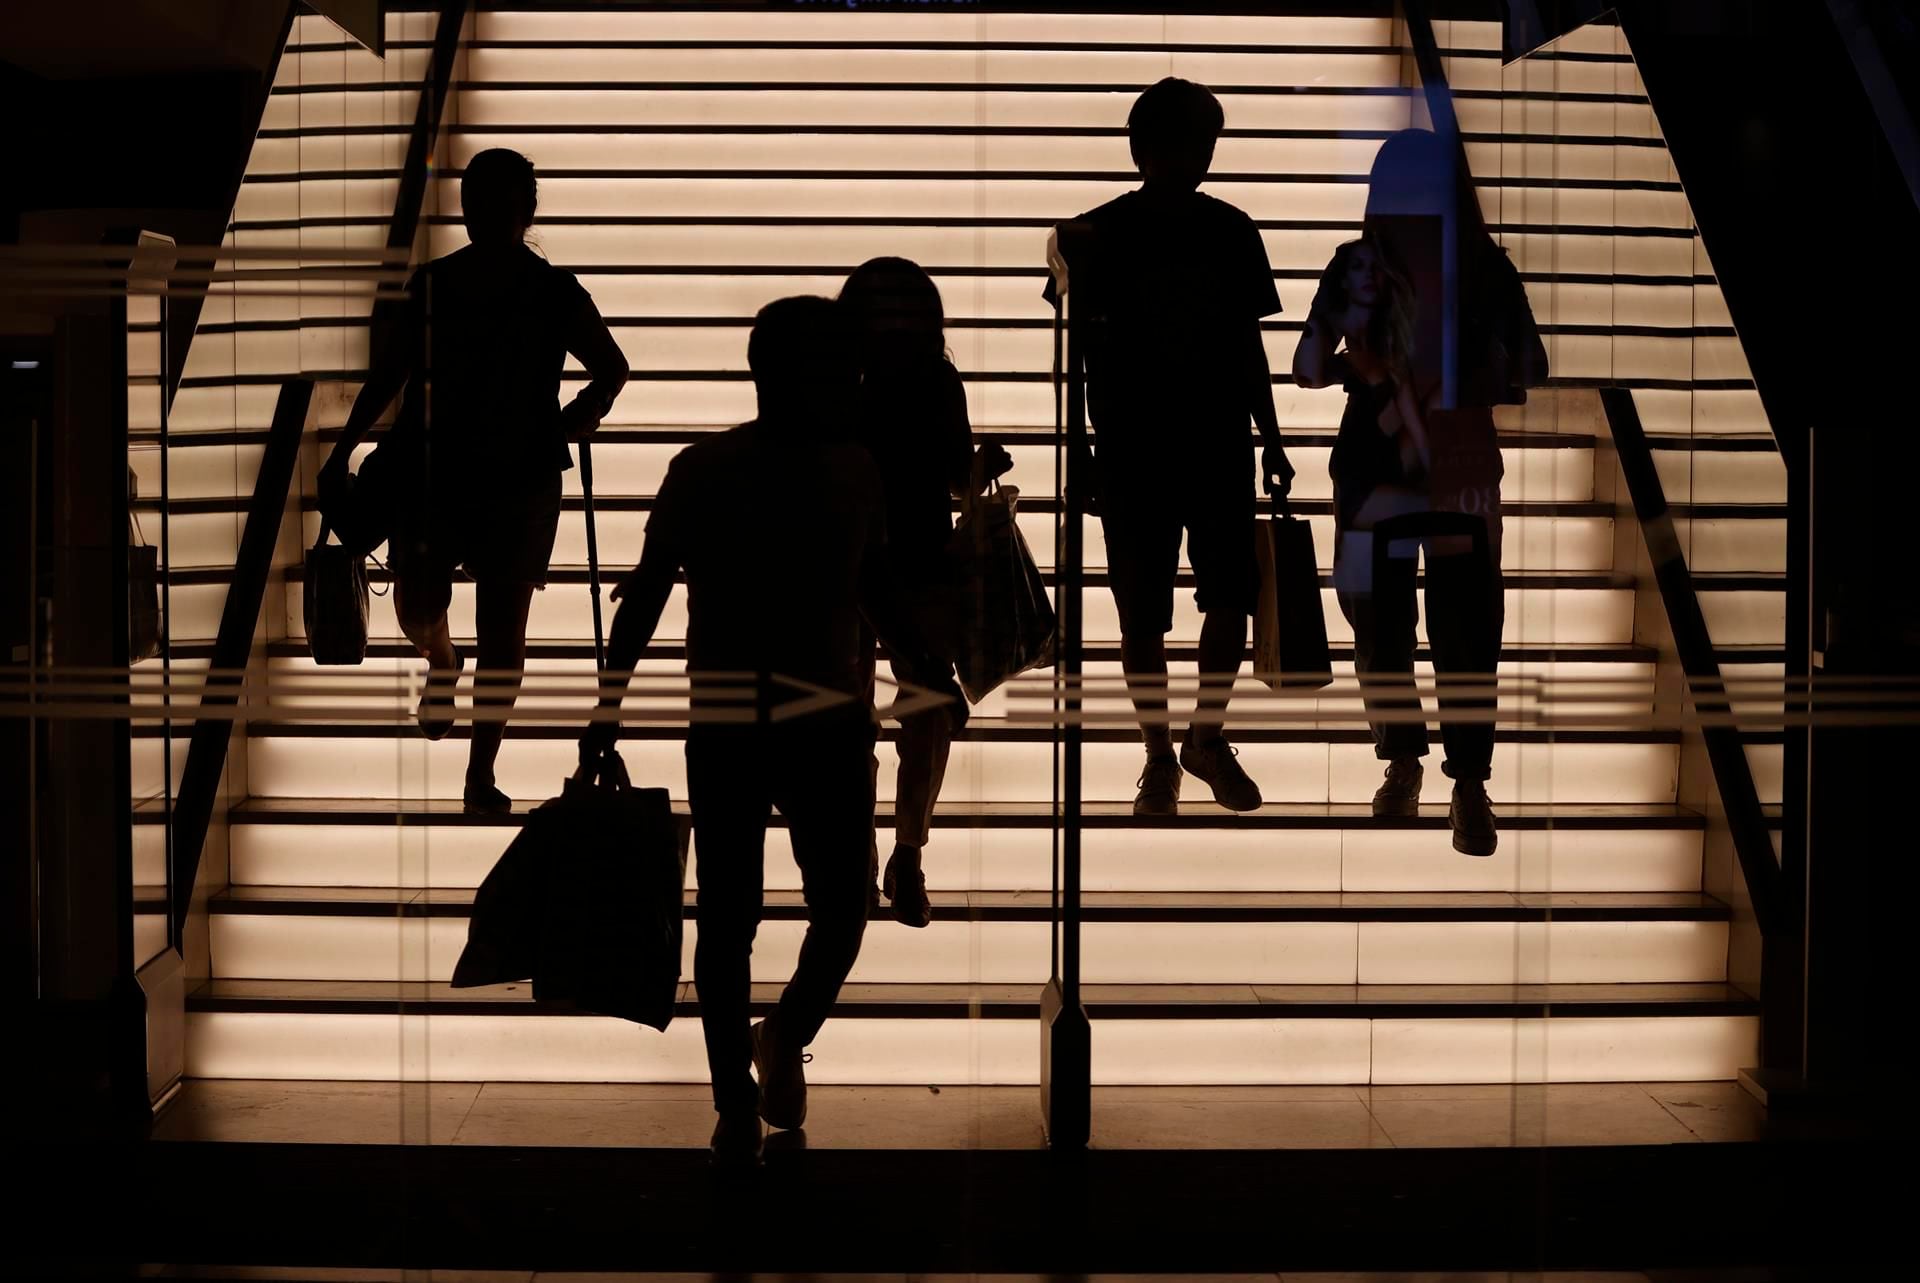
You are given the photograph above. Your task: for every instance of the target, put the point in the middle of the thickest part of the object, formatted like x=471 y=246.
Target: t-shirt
x=487 y=332
x=912 y=418
x=776 y=532
x=1168 y=301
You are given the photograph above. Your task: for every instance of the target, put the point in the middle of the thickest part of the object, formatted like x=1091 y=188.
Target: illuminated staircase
x=697 y=165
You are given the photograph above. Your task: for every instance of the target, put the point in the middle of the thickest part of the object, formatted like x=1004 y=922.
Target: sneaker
x=1471 y=816
x=1214 y=764
x=906 y=887
x=1399 y=793
x=737 y=1142
x=783 y=1079
x=484 y=799
x=1159 y=787
x=435 y=709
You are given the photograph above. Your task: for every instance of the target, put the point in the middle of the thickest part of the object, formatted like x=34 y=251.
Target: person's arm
x=1258 y=298
x=1316 y=359
x=589 y=339
x=1316 y=362
x=1276 y=471
x=391 y=368
x=643 y=598
x=967 y=471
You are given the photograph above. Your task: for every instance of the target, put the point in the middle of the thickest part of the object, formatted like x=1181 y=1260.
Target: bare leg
x=1145 y=662
x=501 y=621
x=431 y=636
x=1223 y=645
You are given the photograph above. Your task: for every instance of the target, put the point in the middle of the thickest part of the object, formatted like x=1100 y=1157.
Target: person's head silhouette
x=1172 y=129
x=894 y=309
x=804 y=368
x=1412 y=174
x=498 y=194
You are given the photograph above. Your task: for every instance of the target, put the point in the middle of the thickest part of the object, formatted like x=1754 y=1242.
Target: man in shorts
x=1170 y=286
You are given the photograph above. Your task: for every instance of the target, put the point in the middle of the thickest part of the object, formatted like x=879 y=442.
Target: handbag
x=1289 y=622
x=1005 y=623
x=335 y=601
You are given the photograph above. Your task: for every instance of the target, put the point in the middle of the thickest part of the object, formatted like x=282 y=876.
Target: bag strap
x=593 y=558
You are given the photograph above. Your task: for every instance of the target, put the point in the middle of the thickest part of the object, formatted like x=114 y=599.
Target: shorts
x=496 y=537
x=1144 y=509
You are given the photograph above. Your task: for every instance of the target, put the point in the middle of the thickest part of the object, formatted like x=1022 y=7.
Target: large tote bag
x=1005 y=622
x=587 y=901
x=1289 y=623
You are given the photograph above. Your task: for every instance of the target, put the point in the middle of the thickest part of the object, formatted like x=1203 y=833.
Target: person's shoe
x=1399 y=793
x=484 y=799
x=435 y=710
x=737 y=1142
x=1159 y=787
x=783 y=1077
x=1214 y=764
x=906 y=887
x=1471 y=816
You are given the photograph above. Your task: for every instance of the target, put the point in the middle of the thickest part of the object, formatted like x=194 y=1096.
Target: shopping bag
x=1289 y=626
x=334 y=595
x=1005 y=622
x=586 y=902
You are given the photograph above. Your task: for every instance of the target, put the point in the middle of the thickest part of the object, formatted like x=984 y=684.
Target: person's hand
x=600 y=737
x=990 y=462
x=1276 y=471
x=579 y=421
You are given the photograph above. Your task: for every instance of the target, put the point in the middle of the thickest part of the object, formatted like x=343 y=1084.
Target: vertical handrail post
x=1066 y=1065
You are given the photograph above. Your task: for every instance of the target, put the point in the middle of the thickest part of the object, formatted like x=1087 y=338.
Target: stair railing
x=1733 y=775
x=1066 y=1064
x=233 y=643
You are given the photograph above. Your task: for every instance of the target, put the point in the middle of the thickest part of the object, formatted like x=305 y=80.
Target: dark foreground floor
x=101 y=1211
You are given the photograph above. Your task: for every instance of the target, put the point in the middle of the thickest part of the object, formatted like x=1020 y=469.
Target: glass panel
x=1590 y=208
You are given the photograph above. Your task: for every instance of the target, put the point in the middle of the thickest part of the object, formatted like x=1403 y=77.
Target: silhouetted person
x=1379 y=465
x=911 y=414
x=779 y=528
x=480 y=443
x=1470 y=343
x=1170 y=300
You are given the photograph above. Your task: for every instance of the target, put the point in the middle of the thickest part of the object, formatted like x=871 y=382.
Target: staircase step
x=1524 y=656
x=1097 y=906
x=448 y=813
x=1143 y=1034
x=348 y=933
x=1558 y=848
x=995 y=730
x=1022 y=1002
x=1008 y=763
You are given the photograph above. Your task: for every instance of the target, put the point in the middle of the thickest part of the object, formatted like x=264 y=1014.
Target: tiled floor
x=972 y=1117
